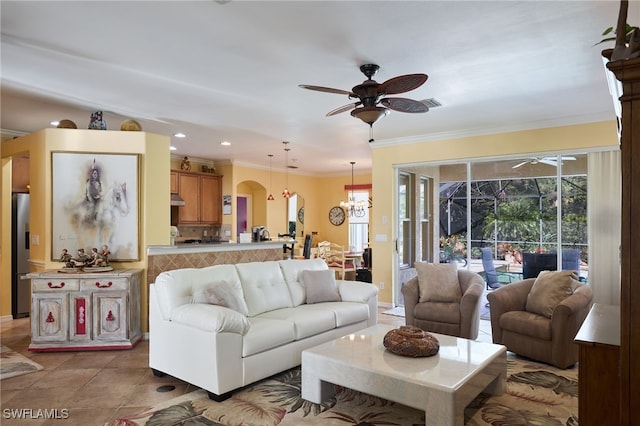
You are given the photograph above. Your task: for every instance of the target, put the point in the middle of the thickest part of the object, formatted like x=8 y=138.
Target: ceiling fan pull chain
x=371 y=133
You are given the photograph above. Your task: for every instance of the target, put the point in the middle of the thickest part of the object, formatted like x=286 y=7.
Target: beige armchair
x=461 y=319
x=536 y=336
x=333 y=255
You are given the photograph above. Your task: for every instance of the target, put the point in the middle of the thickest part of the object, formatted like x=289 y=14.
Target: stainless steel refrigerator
x=20 y=286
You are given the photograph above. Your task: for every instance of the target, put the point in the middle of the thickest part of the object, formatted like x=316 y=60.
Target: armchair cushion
x=320 y=286
x=549 y=289
x=220 y=293
x=438 y=282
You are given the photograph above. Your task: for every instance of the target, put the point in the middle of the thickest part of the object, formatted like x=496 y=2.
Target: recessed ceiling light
x=54 y=123
x=172 y=148
x=225 y=143
x=179 y=135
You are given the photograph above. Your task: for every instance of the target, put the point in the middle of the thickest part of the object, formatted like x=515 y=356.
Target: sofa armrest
x=566 y=319
x=356 y=291
x=214 y=318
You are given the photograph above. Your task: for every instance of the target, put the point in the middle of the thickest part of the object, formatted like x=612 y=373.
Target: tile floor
x=96 y=387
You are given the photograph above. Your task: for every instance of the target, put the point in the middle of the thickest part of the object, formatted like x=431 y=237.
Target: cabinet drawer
x=55 y=284
x=104 y=284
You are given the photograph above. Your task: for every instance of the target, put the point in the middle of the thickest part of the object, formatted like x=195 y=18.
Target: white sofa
x=220 y=349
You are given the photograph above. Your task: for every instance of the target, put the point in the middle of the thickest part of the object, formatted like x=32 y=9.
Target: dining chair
x=493 y=279
x=306 y=250
x=333 y=255
x=570 y=259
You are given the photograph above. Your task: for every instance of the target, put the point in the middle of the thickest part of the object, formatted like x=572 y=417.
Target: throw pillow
x=549 y=289
x=321 y=286
x=220 y=293
x=438 y=282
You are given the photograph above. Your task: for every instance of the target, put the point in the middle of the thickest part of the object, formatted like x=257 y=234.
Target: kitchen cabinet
x=202 y=195
x=174 y=182
x=85 y=311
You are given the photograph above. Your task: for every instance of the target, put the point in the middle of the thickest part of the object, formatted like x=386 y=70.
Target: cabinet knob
x=50 y=318
x=100 y=285
x=52 y=285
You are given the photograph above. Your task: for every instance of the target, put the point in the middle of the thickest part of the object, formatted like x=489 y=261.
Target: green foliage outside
x=518 y=215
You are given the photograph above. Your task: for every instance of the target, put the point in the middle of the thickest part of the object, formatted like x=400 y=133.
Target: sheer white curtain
x=604 y=212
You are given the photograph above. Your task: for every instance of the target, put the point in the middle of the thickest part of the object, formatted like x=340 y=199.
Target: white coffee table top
x=447 y=370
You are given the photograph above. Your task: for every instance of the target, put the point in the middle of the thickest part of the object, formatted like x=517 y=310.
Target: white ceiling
x=230 y=70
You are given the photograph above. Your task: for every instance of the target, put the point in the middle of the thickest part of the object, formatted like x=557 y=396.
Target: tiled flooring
x=96 y=387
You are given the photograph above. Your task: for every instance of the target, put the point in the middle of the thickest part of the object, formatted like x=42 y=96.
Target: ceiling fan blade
x=568 y=158
x=402 y=83
x=549 y=162
x=520 y=164
x=327 y=89
x=343 y=109
x=404 y=105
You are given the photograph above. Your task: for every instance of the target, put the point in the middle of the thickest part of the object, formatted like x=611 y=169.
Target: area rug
x=14 y=364
x=536 y=394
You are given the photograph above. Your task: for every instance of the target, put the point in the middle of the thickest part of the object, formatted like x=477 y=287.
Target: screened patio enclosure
x=532 y=207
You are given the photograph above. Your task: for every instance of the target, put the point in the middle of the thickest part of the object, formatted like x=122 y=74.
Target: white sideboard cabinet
x=85 y=311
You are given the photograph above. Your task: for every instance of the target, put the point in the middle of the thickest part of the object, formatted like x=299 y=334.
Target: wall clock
x=301 y=215
x=336 y=216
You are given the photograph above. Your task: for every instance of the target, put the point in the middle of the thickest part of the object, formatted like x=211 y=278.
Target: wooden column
x=628 y=72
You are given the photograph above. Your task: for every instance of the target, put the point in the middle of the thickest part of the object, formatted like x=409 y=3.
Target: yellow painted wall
x=154 y=164
x=578 y=138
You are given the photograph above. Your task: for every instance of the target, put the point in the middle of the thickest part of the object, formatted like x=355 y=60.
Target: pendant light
x=285 y=191
x=351 y=207
x=270 y=197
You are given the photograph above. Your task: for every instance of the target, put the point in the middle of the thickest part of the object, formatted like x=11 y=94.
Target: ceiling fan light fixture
x=370 y=114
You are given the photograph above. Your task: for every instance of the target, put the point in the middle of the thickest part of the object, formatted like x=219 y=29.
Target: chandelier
x=352 y=207
x=285 y=191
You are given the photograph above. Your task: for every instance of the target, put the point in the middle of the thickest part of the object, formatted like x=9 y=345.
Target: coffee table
x=441 y=385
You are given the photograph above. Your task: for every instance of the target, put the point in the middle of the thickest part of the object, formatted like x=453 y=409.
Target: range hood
x=176 y=200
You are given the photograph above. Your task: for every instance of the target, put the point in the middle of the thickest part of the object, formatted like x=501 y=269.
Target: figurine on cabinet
x=97 y=123
x=82 y=259
x=185 y=164
x=66 y=258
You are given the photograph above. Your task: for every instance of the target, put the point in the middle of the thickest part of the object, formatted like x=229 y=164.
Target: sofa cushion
x=345 y=313
x=448 y=312
x=263 y=286
x=549 y=289
x=210 y=318
x=220 y=293
x=526 y=324
x=306 y=322
x=176 y=287
x=265 y=334
x=320 y=286
x=292 y=269
x=438 y=282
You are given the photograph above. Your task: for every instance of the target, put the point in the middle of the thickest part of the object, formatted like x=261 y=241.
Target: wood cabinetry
x=85 y=311
x=202 y=195
x=174 y=182
x=599 y=372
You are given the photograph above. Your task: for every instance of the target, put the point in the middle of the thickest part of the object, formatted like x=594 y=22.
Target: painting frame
x=95 y=201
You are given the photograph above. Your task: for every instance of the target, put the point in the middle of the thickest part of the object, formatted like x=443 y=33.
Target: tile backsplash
x=204 y=233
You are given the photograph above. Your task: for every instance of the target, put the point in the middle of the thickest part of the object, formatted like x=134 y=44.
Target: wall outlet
x=381 y=285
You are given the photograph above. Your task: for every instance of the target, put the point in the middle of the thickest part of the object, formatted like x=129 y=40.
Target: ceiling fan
x=370 y=95
x=551 y=161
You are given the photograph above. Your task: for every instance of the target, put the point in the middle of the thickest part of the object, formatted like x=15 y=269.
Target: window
x=359 y=226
